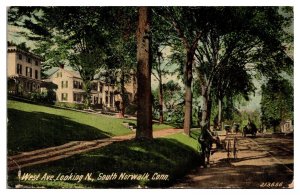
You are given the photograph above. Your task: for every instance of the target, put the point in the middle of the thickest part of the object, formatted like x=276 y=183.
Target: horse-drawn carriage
x=250 y=128
x=228 y=142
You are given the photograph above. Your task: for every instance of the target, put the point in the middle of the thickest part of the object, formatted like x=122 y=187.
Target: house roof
x=53 y=70
x=70 y=71
x=73 y=73
x=16 y=49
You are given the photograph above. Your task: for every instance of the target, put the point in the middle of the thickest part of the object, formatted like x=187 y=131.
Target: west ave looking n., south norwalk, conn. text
x=91 y=176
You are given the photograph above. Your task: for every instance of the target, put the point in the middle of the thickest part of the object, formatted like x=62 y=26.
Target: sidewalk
x=46 y=155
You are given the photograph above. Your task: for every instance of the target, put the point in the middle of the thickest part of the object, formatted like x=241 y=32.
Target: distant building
x=286 y=126
x=70 y=89
x=24 y=77
x=23 y=71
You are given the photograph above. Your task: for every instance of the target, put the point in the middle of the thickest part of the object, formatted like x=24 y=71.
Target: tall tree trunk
x=205 y=107
x=123 y=96
x=160 y=94
x=209 y=111
x=220 y=113
x=144 y=55
x=87 y=93
x=188 y=77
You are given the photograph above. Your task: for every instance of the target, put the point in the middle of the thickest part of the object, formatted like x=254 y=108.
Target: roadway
x=264 y=161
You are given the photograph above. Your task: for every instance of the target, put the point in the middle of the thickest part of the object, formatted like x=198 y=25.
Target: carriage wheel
x=228 y=148
x=244 y=134
x=235 y=148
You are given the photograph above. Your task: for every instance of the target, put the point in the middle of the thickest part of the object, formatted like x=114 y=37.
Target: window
x=106 y=97
x=36 y=73
x=29 y=86
x=20 y=56
x=59 y=74
x=74 y=97
x=75 y=85
x=64 y=97
x=28 y=60
x=36 y=63
x=111 y=101
x=77 y=97
x=95 y=100
x=101 y=87
x=94 y=86
x=64 y=84
x=19 y=69
x=27 y=72
x=30 y=72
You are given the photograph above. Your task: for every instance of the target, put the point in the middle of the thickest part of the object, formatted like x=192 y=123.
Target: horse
x=250 y=128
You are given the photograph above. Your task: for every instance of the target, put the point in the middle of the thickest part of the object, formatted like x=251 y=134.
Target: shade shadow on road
x=28 y=131
x=259 y=165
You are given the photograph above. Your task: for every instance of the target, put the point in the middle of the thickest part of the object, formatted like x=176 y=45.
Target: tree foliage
x=76 y=36
x=277 y=102
x=237 y=42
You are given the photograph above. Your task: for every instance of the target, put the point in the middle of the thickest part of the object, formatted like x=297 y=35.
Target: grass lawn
x=156 y=126
x=33 y=126
x=172 y=157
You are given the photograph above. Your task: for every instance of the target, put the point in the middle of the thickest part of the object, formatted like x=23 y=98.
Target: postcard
x=171 y=97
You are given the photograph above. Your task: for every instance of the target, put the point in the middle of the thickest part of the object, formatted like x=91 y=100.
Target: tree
x=160 y=43
x=122 y=57
x=144 y=55
x=78 y=35
x=173 y=103
x=231 y=81
x=277 y=102
x=159 y=71
x=236 y=47
x=188 y=25
x=21 y=46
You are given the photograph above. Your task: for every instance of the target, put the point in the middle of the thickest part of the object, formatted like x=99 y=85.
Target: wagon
x=250 y=128
x=231 y=146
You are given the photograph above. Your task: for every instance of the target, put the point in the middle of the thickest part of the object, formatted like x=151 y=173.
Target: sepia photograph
x=151 y=97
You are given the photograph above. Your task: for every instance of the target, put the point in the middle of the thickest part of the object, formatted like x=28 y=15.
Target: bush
x=42 y=97
x=70 y=105
x=131 y=109
x=175 y=116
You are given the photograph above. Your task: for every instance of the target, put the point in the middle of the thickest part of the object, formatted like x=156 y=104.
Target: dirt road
x=46 y=155
x=266 y=161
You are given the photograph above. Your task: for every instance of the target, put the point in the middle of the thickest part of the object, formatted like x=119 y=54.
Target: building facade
x=23 y=72
x=70 y=89
x=24 y=78
x=286 y=126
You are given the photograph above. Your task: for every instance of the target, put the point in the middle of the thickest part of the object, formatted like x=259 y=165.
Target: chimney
x=61 y=66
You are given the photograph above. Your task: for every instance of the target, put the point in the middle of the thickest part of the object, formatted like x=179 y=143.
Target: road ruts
x=46 y=155
x=262 y=162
